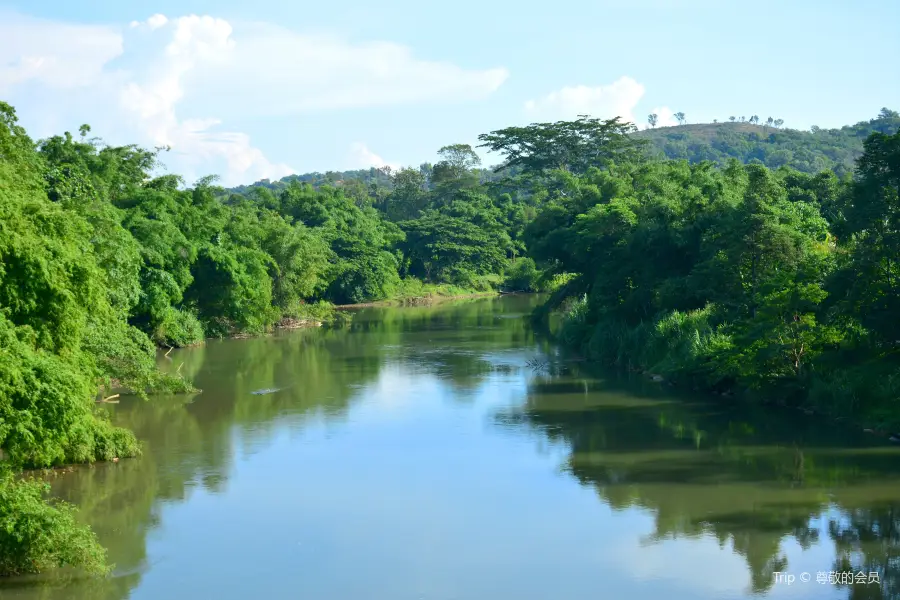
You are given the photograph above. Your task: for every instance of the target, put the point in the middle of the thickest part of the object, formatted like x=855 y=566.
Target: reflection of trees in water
x=712 y=470
x=189 y=441
x=868 y=540
x=451 y=342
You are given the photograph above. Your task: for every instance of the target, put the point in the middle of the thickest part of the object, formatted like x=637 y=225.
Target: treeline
x=747 y=139
x=739 y=278
x=723 y=277
x=767 y=144
x=101 y=262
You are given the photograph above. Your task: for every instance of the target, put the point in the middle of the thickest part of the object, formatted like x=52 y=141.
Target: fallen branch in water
x=111 y=399
x=169 y=352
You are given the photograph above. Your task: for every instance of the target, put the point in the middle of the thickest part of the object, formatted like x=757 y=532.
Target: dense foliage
x=742 y=277
x=36 y=535
x=729 y=275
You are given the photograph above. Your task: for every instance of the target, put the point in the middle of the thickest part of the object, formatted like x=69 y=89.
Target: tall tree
x=572 y=146
x=455 y=169
x=653 y=119
x=872 y=277
x=409 y=196
x=679 y=116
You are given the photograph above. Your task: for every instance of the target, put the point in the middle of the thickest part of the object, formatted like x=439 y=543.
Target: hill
x=808 y=151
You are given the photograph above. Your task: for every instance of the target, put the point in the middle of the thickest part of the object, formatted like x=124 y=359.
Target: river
x=448 y=453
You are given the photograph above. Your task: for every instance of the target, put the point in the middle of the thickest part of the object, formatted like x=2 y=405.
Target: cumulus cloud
x=617 y=99
x=318 y=72
x=664 y=116
x=178 y=81
x=361 y=157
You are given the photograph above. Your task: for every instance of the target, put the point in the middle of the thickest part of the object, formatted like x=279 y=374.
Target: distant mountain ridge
x=808 y=151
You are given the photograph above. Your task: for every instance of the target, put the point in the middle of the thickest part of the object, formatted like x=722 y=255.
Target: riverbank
x=426 y=300
x=379 y=406
x=318 y=314
x=684 y=351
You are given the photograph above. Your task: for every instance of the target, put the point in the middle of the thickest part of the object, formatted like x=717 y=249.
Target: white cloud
x=664 y=116
x=175 y=81
x=56 y=55
x=361 y=157
x=283 y=72
x=617 y=99
x=157 y=21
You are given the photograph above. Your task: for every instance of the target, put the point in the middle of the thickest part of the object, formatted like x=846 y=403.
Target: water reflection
x=192 y=443
x=708 y=470
x=418 y=455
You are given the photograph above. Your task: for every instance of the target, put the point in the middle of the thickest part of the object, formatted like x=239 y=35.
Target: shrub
x=38 y=534
x=47 y=412
x=522 y=275
x=178 y=328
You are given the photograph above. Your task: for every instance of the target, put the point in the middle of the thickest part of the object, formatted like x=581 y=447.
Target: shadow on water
x=752 y=479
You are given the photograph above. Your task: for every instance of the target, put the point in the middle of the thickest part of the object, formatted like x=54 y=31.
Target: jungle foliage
x=720 y=275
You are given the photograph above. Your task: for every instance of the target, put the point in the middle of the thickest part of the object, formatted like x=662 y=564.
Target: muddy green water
x=418 y=455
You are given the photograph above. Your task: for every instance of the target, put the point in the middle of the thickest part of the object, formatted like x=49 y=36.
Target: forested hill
x=807 y=151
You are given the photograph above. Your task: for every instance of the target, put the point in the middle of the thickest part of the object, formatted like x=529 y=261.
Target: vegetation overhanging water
x=726 y=278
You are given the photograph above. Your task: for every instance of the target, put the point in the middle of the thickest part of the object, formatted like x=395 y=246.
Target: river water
x=447 y=453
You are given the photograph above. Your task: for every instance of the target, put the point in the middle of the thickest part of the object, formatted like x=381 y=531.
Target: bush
x=178 y=328
x=685 y=344
x=522 y=275
x=37 y=534
x=366 y=279
x=47 y=410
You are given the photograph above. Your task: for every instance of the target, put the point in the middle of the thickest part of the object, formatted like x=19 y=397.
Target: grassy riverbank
x=415 y=292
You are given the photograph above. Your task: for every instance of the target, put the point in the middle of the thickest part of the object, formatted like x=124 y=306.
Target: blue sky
x=260 y=89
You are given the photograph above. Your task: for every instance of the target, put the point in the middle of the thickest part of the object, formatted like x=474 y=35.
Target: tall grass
x=680 y=345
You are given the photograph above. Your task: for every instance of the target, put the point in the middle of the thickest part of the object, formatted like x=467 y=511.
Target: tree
x=769 y=121
x=460 y=157
x=779 y=122
x=754 y=119
x=409 y=196
x=653 y=119
x=679 y=116
x=887 y=113
x=455 y=168
x=573 y=146
x=872 y=275
x=457 y=242
x=732 y=119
